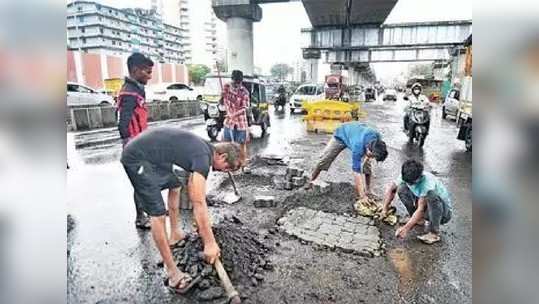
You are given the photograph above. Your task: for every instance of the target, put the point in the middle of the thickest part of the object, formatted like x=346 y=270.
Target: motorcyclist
x=281 y=98
x=415 y=99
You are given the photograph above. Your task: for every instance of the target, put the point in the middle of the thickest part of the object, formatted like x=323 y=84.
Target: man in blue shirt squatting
x=425 y=198
x=365 y=144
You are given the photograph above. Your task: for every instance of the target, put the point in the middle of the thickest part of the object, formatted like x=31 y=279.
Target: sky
x=277 y=37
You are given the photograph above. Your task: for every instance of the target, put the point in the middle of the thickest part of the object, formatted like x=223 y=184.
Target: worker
x=425 y=198
x=133 y=112
x=171 y=158
x=365 y=144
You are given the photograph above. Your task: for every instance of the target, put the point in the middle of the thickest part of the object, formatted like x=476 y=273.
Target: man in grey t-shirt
x=170 y=158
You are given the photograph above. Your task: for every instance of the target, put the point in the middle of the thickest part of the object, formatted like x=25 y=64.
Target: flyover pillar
x=312 y=57
x=239 y=16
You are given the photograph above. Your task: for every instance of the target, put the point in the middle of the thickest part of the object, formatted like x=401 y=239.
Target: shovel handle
x=233 y=183
x=225 y=280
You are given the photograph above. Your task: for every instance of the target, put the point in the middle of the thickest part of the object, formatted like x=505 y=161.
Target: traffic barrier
x=80 y=118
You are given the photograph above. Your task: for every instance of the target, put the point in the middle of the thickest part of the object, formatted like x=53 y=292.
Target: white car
x=451 y=104
x=81 y=95
x=306 y=92
x=171 y=92
x=390 y=94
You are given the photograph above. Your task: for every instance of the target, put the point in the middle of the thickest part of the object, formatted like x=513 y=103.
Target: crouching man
x=365 y=143
x=425 y=198
x=169 y=158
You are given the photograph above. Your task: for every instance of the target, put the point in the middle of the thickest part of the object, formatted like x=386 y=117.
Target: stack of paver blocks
x=293 y=178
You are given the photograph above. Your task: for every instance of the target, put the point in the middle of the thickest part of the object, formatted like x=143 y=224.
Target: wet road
x=110 y=262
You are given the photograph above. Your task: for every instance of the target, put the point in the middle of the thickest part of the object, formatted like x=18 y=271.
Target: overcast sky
x=277 y=37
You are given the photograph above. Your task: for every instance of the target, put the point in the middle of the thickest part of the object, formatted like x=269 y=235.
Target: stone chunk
x=210 y=294
x=292 y=171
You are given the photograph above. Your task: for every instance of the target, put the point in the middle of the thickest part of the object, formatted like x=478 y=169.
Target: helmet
x=417 y=85
x=237 y=75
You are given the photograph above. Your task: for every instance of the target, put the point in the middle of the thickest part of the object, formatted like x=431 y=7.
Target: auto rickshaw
x=214 y=111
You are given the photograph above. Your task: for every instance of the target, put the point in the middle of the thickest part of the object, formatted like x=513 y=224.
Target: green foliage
x=197 y=73
x=281 y=71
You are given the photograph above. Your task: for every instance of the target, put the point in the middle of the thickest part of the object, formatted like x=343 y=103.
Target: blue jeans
x=438 y=212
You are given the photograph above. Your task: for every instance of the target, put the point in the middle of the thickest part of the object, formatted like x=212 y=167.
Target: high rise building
x=198 y=17
x=94 y=28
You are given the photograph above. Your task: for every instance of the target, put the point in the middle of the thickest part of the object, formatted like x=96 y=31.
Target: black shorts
x=148 y=181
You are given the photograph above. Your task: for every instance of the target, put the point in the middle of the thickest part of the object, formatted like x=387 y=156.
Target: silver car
x=451 y=104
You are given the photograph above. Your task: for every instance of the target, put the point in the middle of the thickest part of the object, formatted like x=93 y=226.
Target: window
x=82 y=30
x=82 y=89
x=100 y=18
x=101 y=30
x=79 y=8
x=83 y=40
x=81 y=18
x=113 y=42
x=72 y=88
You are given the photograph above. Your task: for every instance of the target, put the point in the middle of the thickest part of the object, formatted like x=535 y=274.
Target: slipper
x=185 y=280
x=143 y=223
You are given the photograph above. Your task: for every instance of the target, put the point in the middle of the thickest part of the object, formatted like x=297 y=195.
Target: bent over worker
x=169 y=158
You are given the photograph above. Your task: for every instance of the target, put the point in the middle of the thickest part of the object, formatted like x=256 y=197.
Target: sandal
x=429 y=238
x=183 y=285
x=143 y=223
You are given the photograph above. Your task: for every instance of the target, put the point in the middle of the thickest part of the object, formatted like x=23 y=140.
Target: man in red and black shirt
x=133 y=112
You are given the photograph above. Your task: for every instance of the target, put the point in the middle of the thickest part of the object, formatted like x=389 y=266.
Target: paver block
x=332 y=231
x=264 y=201
x=292 y=171
x=298 y=181
x=321 y=187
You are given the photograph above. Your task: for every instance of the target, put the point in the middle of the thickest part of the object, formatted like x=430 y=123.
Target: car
x=81 y=95
x=306 y=92
x=390 y=94
x=172 y=92
x=451 y=104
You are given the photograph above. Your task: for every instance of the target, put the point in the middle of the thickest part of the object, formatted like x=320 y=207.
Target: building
x=97 y=28
x=200 y=20
x=176 y=13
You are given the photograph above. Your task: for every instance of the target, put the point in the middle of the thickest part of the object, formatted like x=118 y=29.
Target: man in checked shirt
x=236 y=101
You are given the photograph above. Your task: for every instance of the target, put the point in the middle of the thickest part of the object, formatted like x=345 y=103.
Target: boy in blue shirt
x=365 y=144
x=425 y=198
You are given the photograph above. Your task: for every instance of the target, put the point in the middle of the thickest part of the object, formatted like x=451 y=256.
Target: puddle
x=402 y=262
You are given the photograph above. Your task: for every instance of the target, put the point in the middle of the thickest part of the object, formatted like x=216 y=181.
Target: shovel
x=232 y=197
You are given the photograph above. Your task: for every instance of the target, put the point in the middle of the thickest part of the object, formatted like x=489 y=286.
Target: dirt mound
x=340 y=199
x=243 y=255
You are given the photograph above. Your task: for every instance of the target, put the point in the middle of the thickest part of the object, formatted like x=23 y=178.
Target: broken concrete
x=321 y=187
x=353 y=235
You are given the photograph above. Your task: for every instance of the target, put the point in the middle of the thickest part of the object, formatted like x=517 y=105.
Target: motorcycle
x=214 y=115
x=280 y=102
x=417 y=127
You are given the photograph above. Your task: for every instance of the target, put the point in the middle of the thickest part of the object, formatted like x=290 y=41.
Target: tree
x=197 y=73
x=420 y=69
x=281 y=70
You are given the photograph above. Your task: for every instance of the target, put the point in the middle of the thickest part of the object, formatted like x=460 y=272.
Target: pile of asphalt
x=243 y=255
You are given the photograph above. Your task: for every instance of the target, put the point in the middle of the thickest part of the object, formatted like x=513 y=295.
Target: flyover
x=349 y=34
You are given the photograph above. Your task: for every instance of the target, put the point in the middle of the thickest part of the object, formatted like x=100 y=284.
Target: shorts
x=330 y=153
x=235 y=135
x=332 y=150
x=148 y=181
